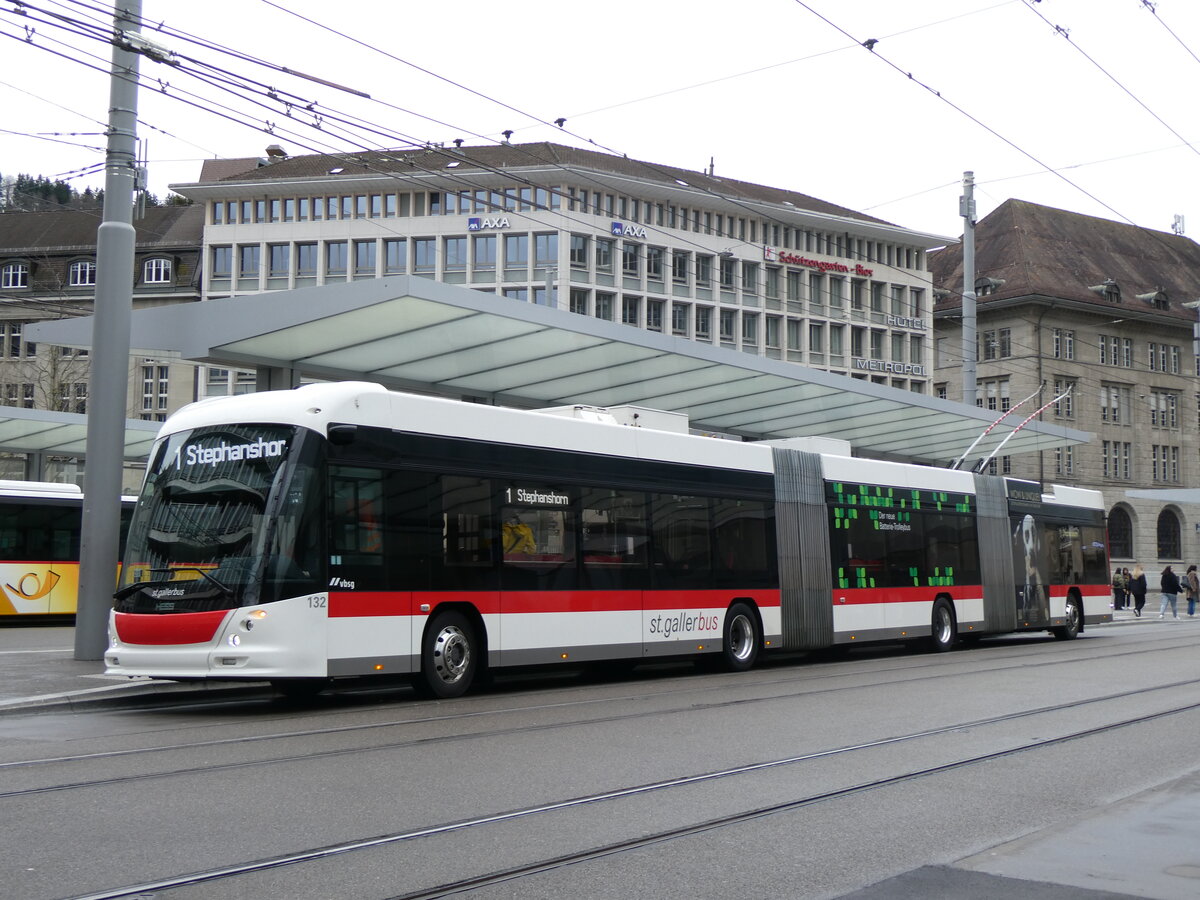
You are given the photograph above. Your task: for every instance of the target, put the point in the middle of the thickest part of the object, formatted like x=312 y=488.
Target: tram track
x=599 y=851
x=923 y=669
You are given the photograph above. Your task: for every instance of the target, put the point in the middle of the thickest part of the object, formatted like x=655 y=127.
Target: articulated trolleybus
x=341 y=530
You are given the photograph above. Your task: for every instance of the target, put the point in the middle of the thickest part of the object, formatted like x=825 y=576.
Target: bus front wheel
x=943 y=630
x=449 y=656
x=1070 y=630
x=741 y=638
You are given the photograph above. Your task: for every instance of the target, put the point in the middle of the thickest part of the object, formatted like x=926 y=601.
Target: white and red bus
x=342 y=530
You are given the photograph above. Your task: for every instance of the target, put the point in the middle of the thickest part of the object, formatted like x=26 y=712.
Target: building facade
x=753 y=268
x=1095 y=310
x=48 y=271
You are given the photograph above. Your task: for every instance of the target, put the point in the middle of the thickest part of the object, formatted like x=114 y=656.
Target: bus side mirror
x=342 y=435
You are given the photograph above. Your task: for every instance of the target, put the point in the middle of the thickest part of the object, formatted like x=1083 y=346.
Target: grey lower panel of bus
x=995 y=555
x=802 y=535
x=392 y=665
x=538 y=656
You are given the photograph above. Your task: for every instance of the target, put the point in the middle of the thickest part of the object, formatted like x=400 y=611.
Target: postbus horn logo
x=29 y=587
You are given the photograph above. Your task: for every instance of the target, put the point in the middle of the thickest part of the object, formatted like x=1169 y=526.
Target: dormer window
x=985 y=286
x=156 y=271
x=1156 y=298
x=82 y=273
x=14 y=275
x=1109 y=290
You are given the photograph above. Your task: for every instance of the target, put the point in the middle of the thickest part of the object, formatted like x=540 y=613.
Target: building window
x=424 y=254
x=1116 y=455
x=156 y=271
x=14 y=275
x=604 y=255
x=336 y=259
x=1064 y=406
x=156 y=387
x=1164 y=409
x=82 y=273
x=604 y=306
x=727 y=320
x=277 y=264
x=994 y=394
x=222 y=262
x=703 y=270
x=545 y=250
x=631 y=310
x=1120 y=534
x=750 y=278
x=816 y=337
x=680 y=260
x=1064 y=344
x=1164 y=463
x=1168 y=535
x=680 y=313
x=365 y=255
x=579 y=301
x=630 y=263
x=454 y=251
x=997 y=344
x=395 y=256
x=1114 y=404
x=728 y=268
x=654 y=263
x=703 y=323
x=516 y=253
x=1064 y=461
x=654 y=315
x=306 y=261
x=939 y=391
x=484 y=248
x=579 y=251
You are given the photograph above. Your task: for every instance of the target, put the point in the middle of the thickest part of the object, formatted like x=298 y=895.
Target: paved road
x=1026 y=768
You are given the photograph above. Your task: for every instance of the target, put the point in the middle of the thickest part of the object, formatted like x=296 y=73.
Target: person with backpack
x=1192 y=585
x=1137 y=587
x=1169 y=583
x=1119 y=592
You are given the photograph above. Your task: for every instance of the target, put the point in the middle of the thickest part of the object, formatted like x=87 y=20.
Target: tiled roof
x=501 y=156
x=1045 y=252
x=177 y=226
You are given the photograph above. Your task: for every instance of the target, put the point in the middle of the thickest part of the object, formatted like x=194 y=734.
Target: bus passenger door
x=1032 y=545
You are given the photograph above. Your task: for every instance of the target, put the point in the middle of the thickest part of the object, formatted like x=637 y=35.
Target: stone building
x=1101 y=309
x=48 y=271
x=763 y=270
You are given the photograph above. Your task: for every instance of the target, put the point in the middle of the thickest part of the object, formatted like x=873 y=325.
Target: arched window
x=1168 y=535
x=82 y=273
x=156 y=271
x=1120 y=534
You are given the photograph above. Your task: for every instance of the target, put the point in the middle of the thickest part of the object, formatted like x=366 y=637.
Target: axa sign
x=621 y=229
x=477 y=223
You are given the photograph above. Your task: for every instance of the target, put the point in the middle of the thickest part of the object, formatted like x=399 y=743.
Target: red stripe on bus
x=370 y=603
x=848 y=596
x=176 y=628
x=399 y=603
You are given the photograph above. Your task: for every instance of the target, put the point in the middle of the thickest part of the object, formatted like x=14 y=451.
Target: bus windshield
x=228 y=517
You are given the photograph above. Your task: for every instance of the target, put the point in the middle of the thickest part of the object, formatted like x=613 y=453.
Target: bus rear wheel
x=1070 y=629
x=449 y=656
x=741 y=638
x=943 y=629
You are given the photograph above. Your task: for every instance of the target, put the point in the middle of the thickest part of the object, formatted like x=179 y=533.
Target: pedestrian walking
x=1192 y=584
x=1137 y=587
x=1119 y=592
x=1169 y=584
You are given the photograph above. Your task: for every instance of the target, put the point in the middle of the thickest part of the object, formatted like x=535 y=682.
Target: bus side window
x=467 y=552
x=744 y=545
x=614 y=528
x=680 y=526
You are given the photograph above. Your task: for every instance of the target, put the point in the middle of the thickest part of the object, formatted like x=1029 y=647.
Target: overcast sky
x=779 y=92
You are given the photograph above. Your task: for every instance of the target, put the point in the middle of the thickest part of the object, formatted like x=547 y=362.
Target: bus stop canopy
x=411 y=333
x=65 y=434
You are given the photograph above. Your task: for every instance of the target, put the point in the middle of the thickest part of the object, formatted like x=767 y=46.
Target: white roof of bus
x=316 y=406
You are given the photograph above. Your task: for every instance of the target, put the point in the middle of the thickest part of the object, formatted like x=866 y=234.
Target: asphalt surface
x=1146 y=846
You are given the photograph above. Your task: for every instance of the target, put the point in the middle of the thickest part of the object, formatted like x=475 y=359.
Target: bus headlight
x=234 y=640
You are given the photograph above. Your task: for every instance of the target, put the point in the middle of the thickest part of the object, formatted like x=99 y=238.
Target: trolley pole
x=109 y=375
x=966 y=208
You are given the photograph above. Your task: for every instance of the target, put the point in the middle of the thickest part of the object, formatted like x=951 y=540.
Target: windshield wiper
x=131 y=589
